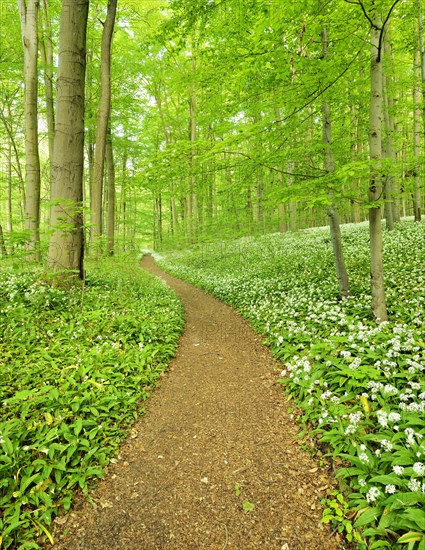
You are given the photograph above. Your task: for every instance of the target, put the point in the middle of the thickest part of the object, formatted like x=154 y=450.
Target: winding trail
x=217 y=436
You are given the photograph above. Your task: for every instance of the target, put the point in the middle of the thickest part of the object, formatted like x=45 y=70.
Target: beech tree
x=66 y=247
x=28 y=12
x=378 y=28
x=422 y=55
x=375 y=186
x=46 y=51
x=416 y=140
x=335 y=229
x=110 y=230
x=102 y=123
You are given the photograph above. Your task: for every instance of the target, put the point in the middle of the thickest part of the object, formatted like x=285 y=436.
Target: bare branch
x=359 y=3
x=381 y=34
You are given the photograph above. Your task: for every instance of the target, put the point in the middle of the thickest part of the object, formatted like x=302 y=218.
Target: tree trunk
x=249 y=210
x=292 y=205
x=2 y=243
x=260 y=200
x=9 y=120
x=422 y=54
x=174 y=216
x=282 y=225
x=29 y=26
x=9 y=216
x=123 y=234
x=110 y=233
x=89 y=116
x=193 y=192
x=102 y=124
x=341 y=272
x=66 y=248
x=46 y=49
x=416 y=143
x=388 y=149
x=159 y=208
x=375 y=184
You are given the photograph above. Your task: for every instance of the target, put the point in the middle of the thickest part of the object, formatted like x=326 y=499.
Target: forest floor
x=214 y=463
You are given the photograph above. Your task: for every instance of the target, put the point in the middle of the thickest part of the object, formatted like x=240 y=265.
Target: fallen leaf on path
x=62 y=520
x=106 y=504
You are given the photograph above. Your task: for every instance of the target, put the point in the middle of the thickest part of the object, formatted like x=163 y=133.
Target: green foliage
x=75 y=368
x=335 y=512
x=360 y=386
x=247 y=505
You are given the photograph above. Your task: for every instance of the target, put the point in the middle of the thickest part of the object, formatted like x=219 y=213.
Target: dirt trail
x=217 y=435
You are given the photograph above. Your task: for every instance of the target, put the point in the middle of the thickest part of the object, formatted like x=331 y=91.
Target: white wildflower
x=419 y=468
x=364 y=458
x=414 y=485
x=386 y=445
x=372 y=495
x=394 y=417
x=382 y=418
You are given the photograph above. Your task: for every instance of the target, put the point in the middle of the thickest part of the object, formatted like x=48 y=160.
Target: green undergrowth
x=75 y=369
x=361 y=387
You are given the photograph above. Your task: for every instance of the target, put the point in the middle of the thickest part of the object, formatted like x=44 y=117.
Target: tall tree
x=387 y=144
x=335 y=229
x=46 y=50
x=378 y=27
x=192 y=197
x=102 y=123
x=110 y=229
x=422 y=55
x=29 y=27
x=375 y=184
x=11 y=117
x=416 y=140
x=66 y=247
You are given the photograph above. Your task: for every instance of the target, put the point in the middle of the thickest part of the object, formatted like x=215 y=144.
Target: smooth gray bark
x=416 y=143
x=110 y=227
x=96 y=229
x=379 y=309
x=29 y=27
x=66 y=248
x=335 y=230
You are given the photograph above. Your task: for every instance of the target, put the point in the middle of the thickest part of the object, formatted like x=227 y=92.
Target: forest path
x=216 y=433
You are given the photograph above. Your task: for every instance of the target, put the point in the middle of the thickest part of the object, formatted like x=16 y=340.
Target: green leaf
x=417 y=516
x=411 y=536
x=7 y=446
x=379 y=544
x=405 y=500
x=390 y=479
x=247 y=506
x=387 y=518
x=372 y=531
x=78 y=425
x=368 y=515
x=26 y=482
